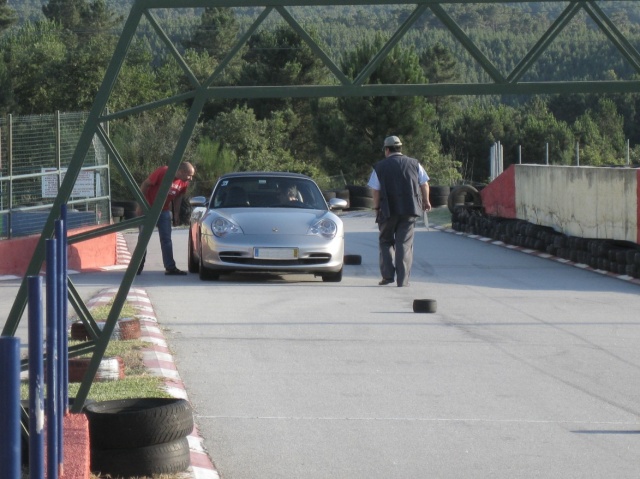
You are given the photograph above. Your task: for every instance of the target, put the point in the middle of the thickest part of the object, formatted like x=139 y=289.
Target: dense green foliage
x=55 y=53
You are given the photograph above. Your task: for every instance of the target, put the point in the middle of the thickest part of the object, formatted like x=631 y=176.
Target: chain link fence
x=35 y=152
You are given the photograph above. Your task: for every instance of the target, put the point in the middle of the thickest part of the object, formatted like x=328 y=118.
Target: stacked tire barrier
x=464 y=195
x=439 y=195
x=619 y=257
x=139 y=437
x=341 y=193
x=360 y=197
x=128 y=208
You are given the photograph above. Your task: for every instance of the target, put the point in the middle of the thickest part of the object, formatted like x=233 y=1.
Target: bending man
x=170 y=210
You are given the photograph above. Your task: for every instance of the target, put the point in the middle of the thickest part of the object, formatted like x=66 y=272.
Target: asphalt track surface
x=530 y=368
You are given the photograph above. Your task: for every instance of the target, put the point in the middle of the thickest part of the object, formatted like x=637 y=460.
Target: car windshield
x=267 y=192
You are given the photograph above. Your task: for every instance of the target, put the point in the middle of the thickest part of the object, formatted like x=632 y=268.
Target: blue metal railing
x=56 y=404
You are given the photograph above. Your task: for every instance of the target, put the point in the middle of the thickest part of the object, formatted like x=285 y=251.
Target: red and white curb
x=123 y=255
x=159 y=361
x=541 y=254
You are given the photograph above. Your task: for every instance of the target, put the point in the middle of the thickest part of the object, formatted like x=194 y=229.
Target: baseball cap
x=392 y=141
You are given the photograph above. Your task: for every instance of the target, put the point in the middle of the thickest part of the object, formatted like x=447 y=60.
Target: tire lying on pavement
x=424 y=305
x=137 y=423
x=166 y=458
x=352 y=259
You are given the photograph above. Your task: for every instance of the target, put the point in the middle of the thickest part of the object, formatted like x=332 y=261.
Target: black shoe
x=385 y=281
x=175 y=272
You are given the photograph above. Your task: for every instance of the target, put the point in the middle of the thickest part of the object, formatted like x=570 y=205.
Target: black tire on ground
x=424 y=305
x=192 y=264
x=166 y=458
x=361 y=191
x=352 y=259
x=361 y=202
x=136 y=423
x=456 y=197
x=204 y=273
x=332 y=277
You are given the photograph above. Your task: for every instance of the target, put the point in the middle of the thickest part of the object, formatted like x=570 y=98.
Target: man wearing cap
x=400 y=195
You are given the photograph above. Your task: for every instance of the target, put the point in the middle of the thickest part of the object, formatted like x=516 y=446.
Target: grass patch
x=138 y=382
x=439 y=216
x=100 y=313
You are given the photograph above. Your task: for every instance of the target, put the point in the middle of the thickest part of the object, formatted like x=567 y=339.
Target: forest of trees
x=55 y=53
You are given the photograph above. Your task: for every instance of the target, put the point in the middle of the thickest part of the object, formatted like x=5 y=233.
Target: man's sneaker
x=175 y=272
x=385 y=281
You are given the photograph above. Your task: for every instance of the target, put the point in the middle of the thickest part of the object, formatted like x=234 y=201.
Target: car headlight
x=222 y=227
x=325 y=228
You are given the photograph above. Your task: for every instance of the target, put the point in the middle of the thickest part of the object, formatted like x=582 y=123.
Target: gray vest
x=399 y=186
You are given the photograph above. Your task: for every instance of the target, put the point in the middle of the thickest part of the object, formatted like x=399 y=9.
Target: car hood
x=292 y=221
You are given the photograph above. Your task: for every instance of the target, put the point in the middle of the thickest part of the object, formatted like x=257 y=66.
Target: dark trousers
x=396 y=248
x=166 y=245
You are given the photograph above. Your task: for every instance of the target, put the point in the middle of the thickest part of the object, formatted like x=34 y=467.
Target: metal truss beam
x=341 y=86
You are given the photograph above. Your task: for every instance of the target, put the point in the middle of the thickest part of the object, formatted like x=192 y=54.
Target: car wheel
x=424 y=305
x=352 y=259
x=138 y=422
x=205 y=273
x=165 y=458
x=332 y=277
x=192 y=264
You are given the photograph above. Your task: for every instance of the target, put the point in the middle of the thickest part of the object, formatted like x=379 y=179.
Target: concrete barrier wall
x=587 y=202
x=15 y=254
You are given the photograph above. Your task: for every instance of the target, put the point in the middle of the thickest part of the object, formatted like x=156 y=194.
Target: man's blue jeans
x=164 y=231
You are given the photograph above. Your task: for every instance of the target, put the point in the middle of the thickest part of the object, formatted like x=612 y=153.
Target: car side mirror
x=198 y=201
x=337 y=204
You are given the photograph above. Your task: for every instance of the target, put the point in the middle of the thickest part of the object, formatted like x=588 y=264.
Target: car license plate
x=275 y=253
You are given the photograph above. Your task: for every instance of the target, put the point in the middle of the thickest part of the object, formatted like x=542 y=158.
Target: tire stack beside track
x=464 y=195
x=619 y=257
x=439 y=195
x=341 y=193
x=139 y=437
x=360 y=197
x=127 y=208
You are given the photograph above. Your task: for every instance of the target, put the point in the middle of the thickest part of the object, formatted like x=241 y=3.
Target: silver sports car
x=266 y=221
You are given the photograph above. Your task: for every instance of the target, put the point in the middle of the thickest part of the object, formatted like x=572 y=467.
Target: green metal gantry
x=201 y=92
